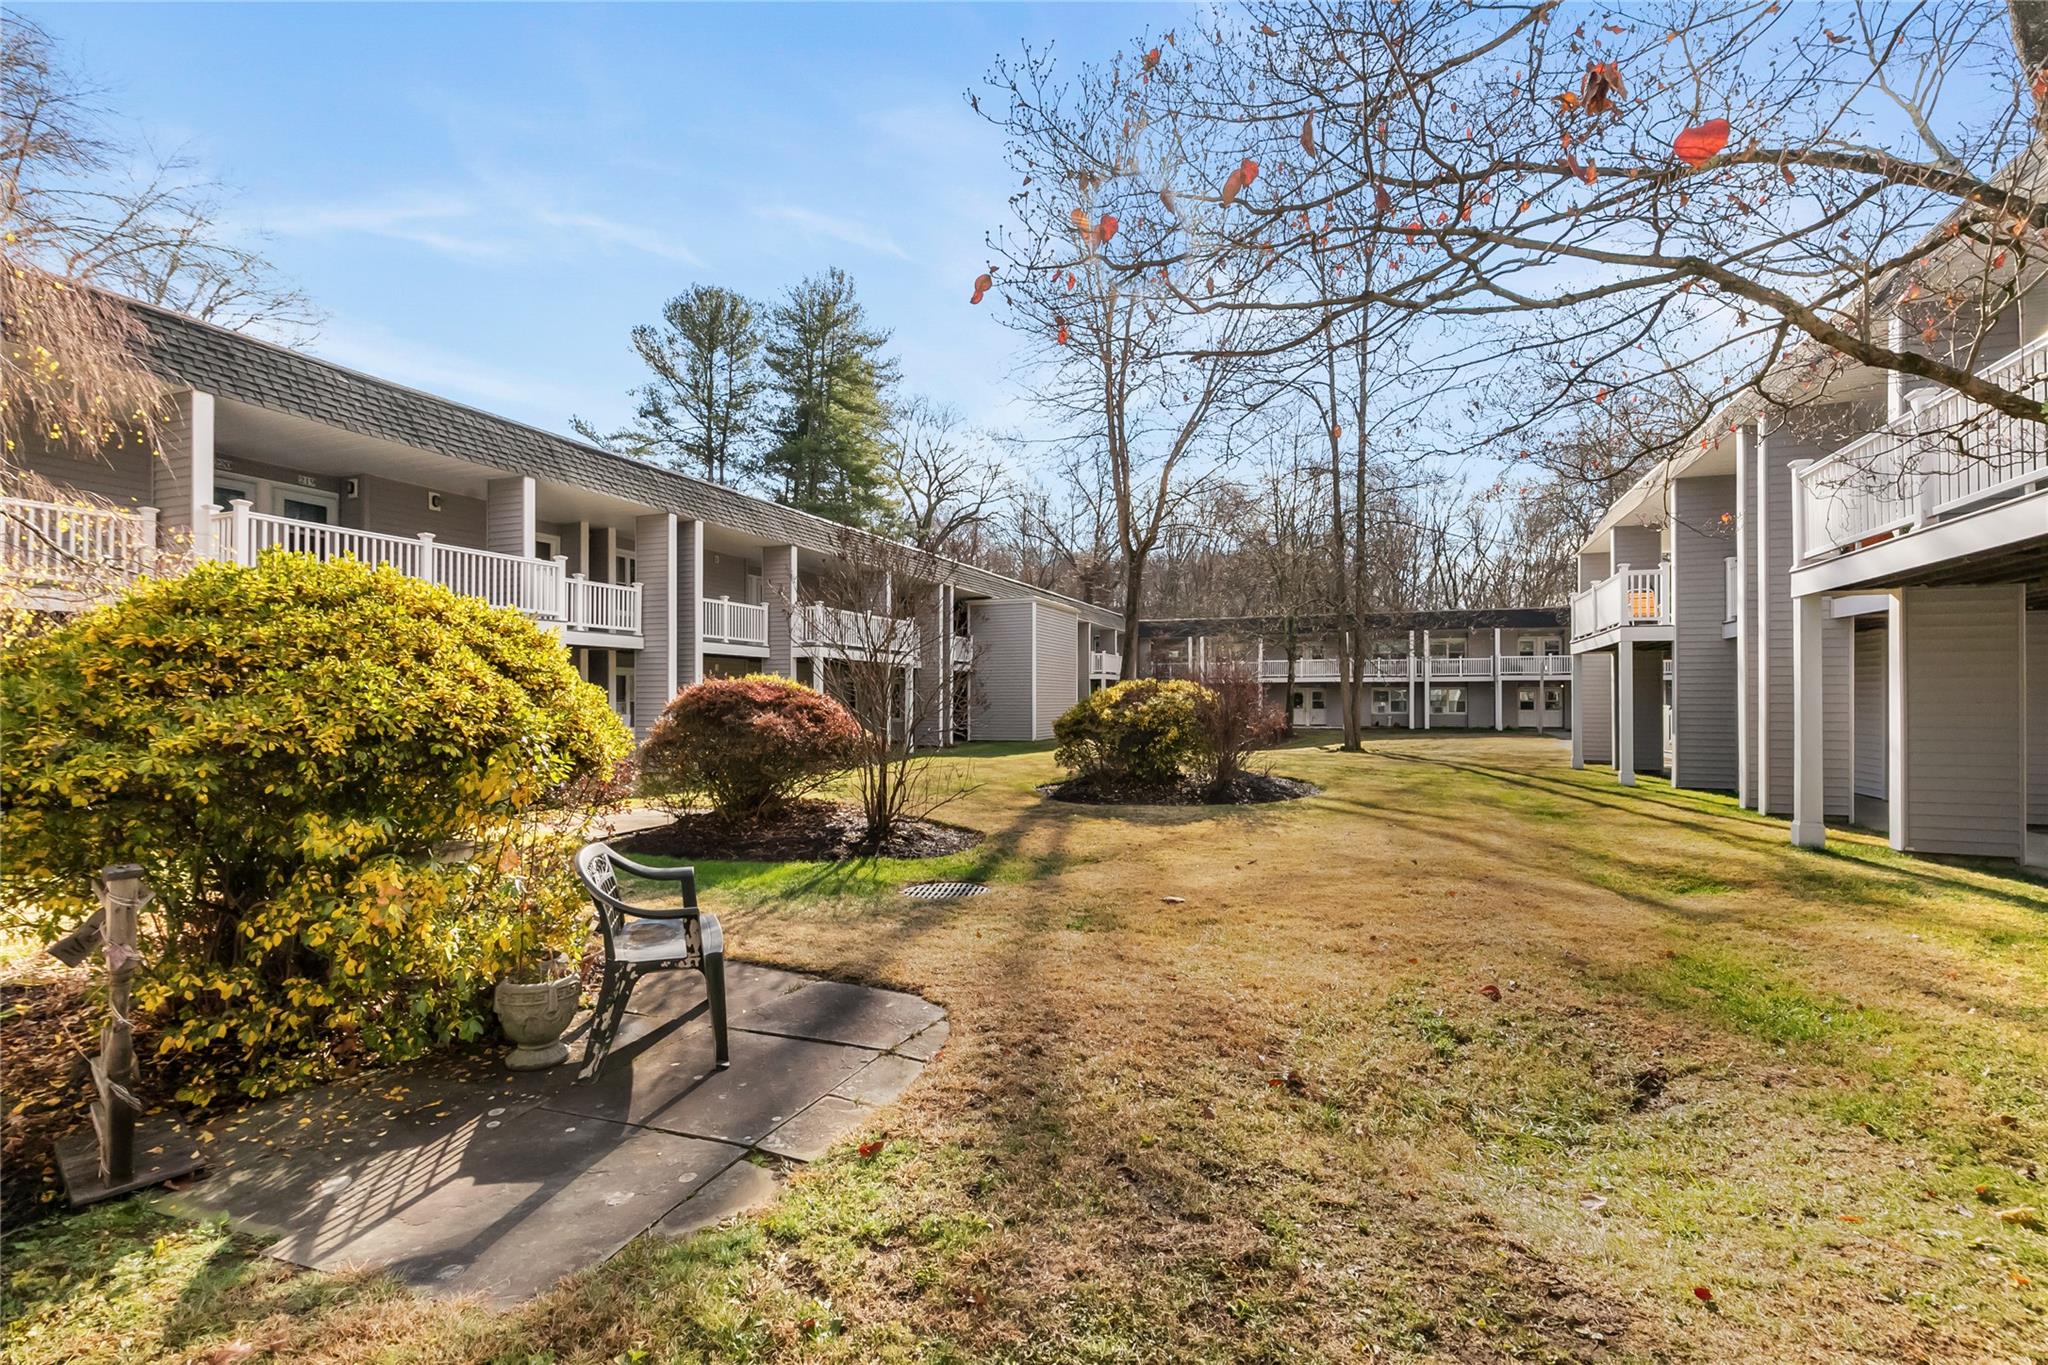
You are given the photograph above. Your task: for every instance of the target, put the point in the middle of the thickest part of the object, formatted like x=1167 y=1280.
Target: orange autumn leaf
x=1602 y=87
x=1308 y=133
x=1062 y=335
x=1702 y=142
x=1702 y=1293
x=869 y=1150
x=1151 y=59
x=1382 y=202
x=982 y=284
x=1070 y=281
x=1106 y=229
x=1082 y=225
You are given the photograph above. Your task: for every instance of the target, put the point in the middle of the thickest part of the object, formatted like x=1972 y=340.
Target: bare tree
x=946 y=489
x=74 y=208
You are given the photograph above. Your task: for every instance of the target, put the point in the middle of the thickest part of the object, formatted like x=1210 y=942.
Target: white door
x=1317 y=715
x=622 y=694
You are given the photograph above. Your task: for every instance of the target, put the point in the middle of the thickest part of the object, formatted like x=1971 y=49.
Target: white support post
x=1745 y=526
x=1500 y=693
x=426 y=566
x=1625 y=712
x=1425 y=683
x=561 y=612
x=241 y=535
x=1809 y=824
x=149 y=539
x=1412 y=703
x=1898 y=755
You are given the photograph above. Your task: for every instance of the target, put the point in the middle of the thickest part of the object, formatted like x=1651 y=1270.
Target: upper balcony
x=825 y=631
x=1104 y=663
x=1630 y=599
x=60 y=556
x=1945 y=481
x=587 y=612
x=738 y=625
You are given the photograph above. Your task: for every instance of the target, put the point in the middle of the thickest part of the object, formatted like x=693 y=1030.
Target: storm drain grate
x=943 y=891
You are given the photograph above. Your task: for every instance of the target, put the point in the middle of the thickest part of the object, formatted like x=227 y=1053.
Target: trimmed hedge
x=284 y=749
x=746 y=746
x=1143 y=733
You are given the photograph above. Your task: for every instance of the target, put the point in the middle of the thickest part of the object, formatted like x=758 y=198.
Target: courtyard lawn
x=1236 y=1085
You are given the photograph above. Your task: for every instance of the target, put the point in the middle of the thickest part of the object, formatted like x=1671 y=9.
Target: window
x=1525 y=698
x=1448 y=649
x=1527 y=648
x=1447 y=701
x=625 y=569
x=1552 y=647
x=1383 y=701
x=1553 y=697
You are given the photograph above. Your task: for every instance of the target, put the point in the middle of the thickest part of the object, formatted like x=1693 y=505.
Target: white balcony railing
x=864 y=633
x=604 y=608
x=537 y=587
x=963 y=651
x=1535 y=666
x=49 y=544
x=1948 y=455
x=726 y=622
x=1630 y=597
x=1461 y=666
x=1731 y=588
x=1106 y=664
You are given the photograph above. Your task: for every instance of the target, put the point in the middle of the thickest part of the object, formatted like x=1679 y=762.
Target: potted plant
x=541 y=922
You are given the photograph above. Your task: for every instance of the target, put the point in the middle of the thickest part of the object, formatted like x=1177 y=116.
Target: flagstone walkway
x=459 y=1177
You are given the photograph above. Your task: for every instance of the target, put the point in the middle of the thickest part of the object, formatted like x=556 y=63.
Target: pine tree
x=705 y=398
x=831 y=381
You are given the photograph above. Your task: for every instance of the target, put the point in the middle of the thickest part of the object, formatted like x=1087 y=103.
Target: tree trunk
x=1134 y=596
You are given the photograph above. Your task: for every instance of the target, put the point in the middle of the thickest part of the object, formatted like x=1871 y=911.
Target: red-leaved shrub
x=745 y=746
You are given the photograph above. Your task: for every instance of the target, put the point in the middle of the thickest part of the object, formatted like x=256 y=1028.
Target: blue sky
x=485 y=198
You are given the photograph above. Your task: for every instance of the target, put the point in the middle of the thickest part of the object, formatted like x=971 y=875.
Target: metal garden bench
x=643 y=939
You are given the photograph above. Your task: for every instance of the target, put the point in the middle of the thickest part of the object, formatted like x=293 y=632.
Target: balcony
x=61 y=556
x=1105 y=664
x=723 y=621
x=1525 y=667
x=1631 y=597
x=1377 y=668
x=1460 y=666
x=1946 y=459
x=855 y=634
x=537 y=587
x=610 y=610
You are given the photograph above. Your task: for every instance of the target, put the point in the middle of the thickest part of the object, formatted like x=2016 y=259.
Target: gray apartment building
x=653 y=579
x=1498 y=669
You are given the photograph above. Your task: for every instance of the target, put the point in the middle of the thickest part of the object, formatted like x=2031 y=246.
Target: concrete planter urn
x=534 y=1015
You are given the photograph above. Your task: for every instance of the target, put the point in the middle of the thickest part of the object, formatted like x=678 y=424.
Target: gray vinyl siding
x=654 y=679
x=1873 y=729
x=1592 y=568
x=2037 y=717
x=1649 y=699
x=1965 y=779
x=1838 y=718
x=1637 y=547
x=1593 y=681
x=1703 y=699
x=725 y=575
x=508 y=516
x=121 y=476
x=1057 y=662
x=1811 y=439
x=1748 y=517
x=1003 y=670
x=400 y=509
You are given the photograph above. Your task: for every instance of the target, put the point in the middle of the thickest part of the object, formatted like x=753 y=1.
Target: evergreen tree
x=705 y=398
x=827 y=447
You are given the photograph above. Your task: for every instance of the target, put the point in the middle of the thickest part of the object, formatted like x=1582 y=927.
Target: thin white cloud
x=614 y=233
x=431 y=221
x=814 y=224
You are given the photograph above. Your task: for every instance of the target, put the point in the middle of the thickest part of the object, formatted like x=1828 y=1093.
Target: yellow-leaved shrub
x=291 y=752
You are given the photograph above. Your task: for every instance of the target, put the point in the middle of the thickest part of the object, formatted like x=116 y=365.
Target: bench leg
x=605 y=1018
x=714 y=997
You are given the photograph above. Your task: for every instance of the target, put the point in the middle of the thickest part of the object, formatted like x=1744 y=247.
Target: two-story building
x=1837 y=608
x=1499 y=669
x=652 y=578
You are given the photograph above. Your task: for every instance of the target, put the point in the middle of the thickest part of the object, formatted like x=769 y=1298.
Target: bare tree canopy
x=74 y=207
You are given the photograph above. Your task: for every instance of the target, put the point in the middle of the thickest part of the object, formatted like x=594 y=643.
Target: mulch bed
x=1250 y=789
x=804 y=831
x=47 y=1020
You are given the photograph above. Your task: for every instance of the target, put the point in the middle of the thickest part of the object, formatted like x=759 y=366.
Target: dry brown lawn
x=1233 y=1085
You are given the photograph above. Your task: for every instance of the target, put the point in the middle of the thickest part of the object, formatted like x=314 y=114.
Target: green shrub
x=746 y=746
x=284 y=750
x=1141 y=733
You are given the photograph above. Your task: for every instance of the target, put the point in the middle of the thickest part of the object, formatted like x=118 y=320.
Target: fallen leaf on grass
x=1490 y=991
x=2023 y=1216
x=868 y=1150
x=1702 y=1293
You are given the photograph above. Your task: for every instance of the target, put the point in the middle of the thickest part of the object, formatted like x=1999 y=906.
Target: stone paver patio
x=460 y=1177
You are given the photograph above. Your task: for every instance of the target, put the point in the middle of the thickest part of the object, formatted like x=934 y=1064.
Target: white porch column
x=1413 y=704
x=1809 y=822
x=656 y=679
x=1745 y=647
x=1425 y=683
x=689 y=603
x=1578 y=715
x=1500 y=690
x=181 y=481
x=510 y=507
x=1898 y=751
x=779 y=589
x=1625 y=711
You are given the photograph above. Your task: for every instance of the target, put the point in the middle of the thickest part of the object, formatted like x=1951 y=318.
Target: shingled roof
x=188 y=352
